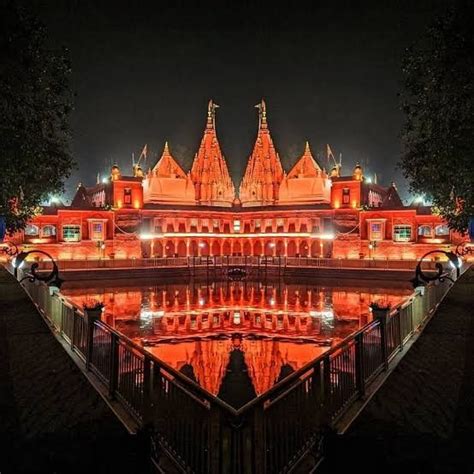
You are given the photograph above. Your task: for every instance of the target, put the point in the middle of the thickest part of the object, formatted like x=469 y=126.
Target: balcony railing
x=250 y=261
x=202 y=434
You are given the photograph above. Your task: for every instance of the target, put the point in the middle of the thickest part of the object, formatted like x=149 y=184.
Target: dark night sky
x=143 y=72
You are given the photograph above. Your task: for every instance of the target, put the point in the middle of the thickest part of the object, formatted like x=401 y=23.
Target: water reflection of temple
x=237 y=334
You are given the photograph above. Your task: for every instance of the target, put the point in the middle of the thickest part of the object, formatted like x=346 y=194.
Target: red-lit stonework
x=167 y=211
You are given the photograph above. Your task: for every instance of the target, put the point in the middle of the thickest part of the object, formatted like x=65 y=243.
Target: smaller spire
x=211 y=114
x=98 y=178
x=375 y=178
x=166 y=150
x=262 y=114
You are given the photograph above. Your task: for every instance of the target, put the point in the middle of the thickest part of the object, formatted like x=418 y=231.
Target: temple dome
x=168 y=183
x=115 y=172
x=357 y=174
x=306 y=182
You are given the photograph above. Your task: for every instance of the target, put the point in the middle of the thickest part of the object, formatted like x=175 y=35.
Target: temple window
x=441 y=230
x=402 y=233
x=97 y=231
x=32 y=230
x=280 y=223
x=48 y=231
x=346 y=196
x=257 y=224
x=71 y=233
x=127 y=196
x=237 y=226
x=376 y=230
x=425 y=231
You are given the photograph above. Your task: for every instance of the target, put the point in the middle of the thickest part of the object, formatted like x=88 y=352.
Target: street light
x=422 y=278
x=52 y=278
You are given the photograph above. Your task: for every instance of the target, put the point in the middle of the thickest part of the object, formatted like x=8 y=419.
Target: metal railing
x=203 y=434
x=243 y=261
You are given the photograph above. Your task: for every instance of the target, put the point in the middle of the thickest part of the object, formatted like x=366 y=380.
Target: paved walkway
x=51 y=419
x=422 y=419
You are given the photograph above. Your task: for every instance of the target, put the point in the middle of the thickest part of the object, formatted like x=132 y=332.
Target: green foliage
x=438 y=134
x=35 y=102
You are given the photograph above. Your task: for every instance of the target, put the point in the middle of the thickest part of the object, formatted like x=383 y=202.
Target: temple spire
x=209 y=171
x=264 y=172
x=211 y=114
x=166 y=150
x=262 y=114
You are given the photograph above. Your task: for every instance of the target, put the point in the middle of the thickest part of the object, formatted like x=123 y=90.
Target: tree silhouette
x=438 y=135
x=35 y=102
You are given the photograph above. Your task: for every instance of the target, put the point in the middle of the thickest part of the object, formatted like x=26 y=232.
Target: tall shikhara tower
x=263 y=175
x=209 y=172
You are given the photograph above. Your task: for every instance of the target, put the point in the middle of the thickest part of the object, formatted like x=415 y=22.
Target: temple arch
x=247 y=248
x=216 y=248
x=237 y=248
x=291 y=251
x=169 y=248
x=193 y=248
x=181 y=249
x=280 y=248
x=257 y=248
x=315 y=248
x=157 y=249
x=226 y=250
x=304 y=249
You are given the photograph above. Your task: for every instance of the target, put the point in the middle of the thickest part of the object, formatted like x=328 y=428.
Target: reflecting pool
x=236 y=338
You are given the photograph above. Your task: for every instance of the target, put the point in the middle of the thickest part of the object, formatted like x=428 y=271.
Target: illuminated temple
x=304 y=211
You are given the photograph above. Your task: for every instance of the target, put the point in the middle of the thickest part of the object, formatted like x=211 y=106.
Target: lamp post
x=421 y=278
x=372 y=248
x=52 y=278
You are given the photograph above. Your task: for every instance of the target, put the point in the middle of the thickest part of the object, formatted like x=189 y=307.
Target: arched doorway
x=247 y=248
x=216 y=248
x=169 y=249
x=280 y=248
x=291 y=248
x=315 y=249
x=204 y=247
x=193 y=248
x=181 y=248
x=157 y=249
x=304 y=249
x=269 y=248
x=257 y=248
x=226 y=248
x=237 y=248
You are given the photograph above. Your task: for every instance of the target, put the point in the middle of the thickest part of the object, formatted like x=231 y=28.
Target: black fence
x=202 y=434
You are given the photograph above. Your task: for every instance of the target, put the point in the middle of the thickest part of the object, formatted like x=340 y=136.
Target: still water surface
x=236 y=339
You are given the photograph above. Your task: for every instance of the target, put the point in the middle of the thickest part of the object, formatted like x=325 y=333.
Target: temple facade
x=169 y=211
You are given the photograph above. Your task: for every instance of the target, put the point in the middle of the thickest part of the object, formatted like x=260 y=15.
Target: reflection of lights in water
x=147 y=316
x=237 y=317
x=326 y=317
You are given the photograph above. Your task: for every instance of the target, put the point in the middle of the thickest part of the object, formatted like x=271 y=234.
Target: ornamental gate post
x=90 y=317
x=382 y=314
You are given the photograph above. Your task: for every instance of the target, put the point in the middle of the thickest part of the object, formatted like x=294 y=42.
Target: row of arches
x=217 y=247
